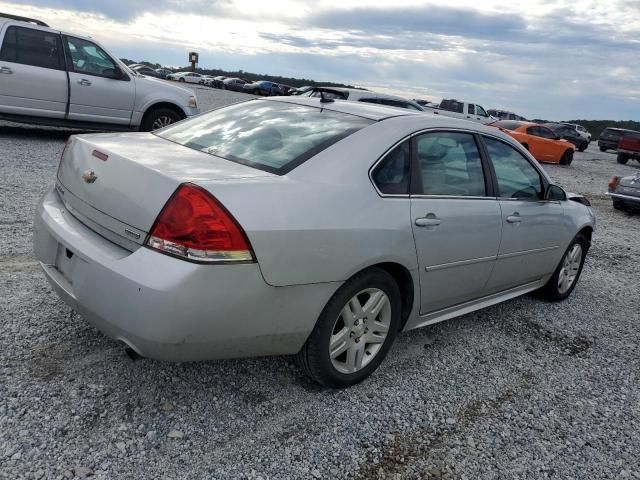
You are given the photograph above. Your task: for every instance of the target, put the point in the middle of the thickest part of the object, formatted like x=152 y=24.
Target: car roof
x=371 y=111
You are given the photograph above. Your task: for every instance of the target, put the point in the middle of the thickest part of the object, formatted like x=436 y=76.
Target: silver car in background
x=302 y=226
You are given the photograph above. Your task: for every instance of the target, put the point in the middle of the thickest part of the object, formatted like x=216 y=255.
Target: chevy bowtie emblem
x=89 y=176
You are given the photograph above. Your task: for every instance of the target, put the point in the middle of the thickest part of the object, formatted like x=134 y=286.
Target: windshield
x=271 y=136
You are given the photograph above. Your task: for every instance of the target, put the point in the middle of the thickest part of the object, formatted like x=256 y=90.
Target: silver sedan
x=302 y=226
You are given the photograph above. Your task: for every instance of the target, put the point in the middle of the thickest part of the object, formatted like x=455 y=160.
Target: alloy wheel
x=162 y=121
x=570 y=268
x=360 y=330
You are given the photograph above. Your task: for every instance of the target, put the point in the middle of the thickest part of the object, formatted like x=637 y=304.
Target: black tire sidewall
x=318 y=343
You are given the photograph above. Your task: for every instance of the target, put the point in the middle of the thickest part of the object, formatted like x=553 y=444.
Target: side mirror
x=119 y=74
x=554 y=192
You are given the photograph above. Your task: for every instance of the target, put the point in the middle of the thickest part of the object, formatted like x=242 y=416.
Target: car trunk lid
x=117 y=183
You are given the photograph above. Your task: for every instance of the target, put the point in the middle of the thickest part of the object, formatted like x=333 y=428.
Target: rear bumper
x=624 y=198
x=166 y=308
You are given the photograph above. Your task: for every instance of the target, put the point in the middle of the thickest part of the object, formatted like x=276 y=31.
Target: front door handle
x=84 y=82
x=6 y=70
x=514 y=218
x=430 y=220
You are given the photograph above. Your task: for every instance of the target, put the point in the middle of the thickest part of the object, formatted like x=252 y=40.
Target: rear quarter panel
x=324 y=221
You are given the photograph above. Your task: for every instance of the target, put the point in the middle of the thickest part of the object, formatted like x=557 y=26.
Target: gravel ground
x=522 y=390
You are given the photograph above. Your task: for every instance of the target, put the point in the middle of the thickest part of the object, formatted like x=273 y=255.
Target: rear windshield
x=271 y=136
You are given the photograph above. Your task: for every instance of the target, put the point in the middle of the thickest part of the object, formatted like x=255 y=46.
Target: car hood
x=159 y=85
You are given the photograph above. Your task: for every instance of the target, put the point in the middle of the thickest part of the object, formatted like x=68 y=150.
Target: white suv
x=54 y=78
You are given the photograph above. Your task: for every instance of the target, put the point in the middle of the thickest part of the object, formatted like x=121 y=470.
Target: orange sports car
x=542 y=142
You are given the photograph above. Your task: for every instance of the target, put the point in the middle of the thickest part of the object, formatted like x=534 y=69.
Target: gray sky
x=547 y=59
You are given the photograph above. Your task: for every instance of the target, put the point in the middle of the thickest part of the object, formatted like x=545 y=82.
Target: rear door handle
x=428 y=221
x=6 y=70
x=84 y=82
x=515 y=218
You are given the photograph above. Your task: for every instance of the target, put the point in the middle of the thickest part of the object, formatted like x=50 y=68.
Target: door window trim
x=487 y=169
x=59 y=43
x=71 y=69
x=543 y=178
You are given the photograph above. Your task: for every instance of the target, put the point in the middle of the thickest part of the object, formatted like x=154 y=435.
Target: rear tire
x=566 y=276
x=567 y=158
x=603 y=149
x=159 y=118
x=256 y=91
x=619 y=205
x=622 y=158
x=354 y=331
x=583 y=146
x=181 y=80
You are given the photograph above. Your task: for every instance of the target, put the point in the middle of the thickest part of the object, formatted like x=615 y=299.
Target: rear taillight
x=613 y=183
x=193 y=225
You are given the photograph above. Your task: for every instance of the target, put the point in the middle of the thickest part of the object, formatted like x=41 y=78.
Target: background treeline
x=594 y=126
x=248 y=76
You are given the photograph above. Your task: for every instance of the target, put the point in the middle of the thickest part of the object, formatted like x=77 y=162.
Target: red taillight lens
x=195 y=226
x=613 y=183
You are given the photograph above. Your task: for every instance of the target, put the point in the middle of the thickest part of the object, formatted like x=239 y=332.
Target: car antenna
x=324 y=99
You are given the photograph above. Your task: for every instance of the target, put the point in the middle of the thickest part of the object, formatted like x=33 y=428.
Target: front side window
x=271 y=136
x=480 y=111
x=450 y=164
x=517 y=178
x=32 y=47
x=89 y=59
x=391 y=175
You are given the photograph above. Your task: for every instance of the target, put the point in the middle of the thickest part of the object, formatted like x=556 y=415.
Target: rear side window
x=452 y=106
x=271 y=136
x=472 y=109
x=391 y=176
x=32 y=47
x=517 y=178
x=450 y=164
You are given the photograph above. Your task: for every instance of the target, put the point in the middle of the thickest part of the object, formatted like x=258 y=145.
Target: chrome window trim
x=414 y=134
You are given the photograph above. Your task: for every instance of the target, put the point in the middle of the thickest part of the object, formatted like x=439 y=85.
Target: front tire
x=619 y=205
x=159 y=118
x=622 y=158
x=354 y=331
x=181 y=80
x=566 y=275
x=603 y=149
x=567 y=158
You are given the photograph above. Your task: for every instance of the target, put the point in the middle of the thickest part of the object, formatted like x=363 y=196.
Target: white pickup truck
x=464 y=110
x=53 y=78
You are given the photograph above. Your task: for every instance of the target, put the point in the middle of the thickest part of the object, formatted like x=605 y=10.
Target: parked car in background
x=506 y=115
x=625 y=191
x=286 y=89
x=200 y=272
x=583 y=132
x=570 y=134
x=146 y=71
x=262 y=87
x=628 y=146
x=609 y=138
x=163 y=72
x=62 y=79
x=365 y=96
x=458 y=109
x=219 y=80
x=207 y=80
x=542 y=142
x=235 y=84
